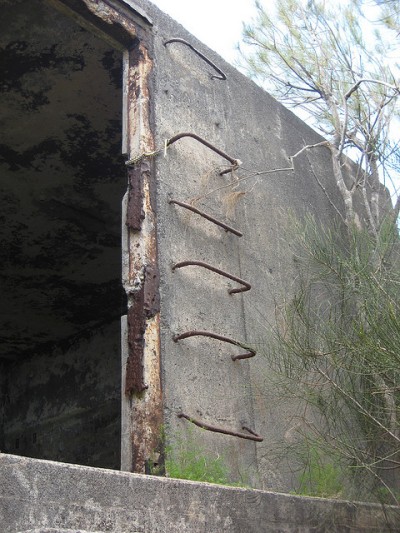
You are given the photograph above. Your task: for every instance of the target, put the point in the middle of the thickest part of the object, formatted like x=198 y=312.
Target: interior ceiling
x=62 y=178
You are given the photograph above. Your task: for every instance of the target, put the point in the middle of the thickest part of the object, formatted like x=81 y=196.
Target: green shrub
x=186 y=459
x=320 y=477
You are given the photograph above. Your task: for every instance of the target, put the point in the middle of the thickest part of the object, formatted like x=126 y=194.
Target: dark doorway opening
x=62 y=179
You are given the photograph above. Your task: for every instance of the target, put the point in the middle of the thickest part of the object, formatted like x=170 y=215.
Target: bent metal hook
x=221 y=75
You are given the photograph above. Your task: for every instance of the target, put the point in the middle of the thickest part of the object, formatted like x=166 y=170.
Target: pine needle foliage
x=316 y=56
x=337 y=350
x=336 y=343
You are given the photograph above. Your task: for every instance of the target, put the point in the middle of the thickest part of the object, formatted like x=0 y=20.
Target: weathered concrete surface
x=199 y=376
x=67 y=407
x=238 y=117
x=58 y=497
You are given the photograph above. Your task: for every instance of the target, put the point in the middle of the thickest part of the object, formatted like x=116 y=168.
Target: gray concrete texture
x=55 y=396
x=44 y=496
x=238 y=117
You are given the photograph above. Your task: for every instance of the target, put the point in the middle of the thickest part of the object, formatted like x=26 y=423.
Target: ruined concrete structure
x=62 y=180
x=113 y=116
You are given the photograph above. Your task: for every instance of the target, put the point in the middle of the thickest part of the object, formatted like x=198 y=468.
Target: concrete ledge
x=52 y=530
x=46 y=497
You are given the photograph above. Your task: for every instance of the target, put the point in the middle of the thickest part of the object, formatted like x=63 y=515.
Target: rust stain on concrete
x=143 y=378
x=140 y=68
x=147 y=415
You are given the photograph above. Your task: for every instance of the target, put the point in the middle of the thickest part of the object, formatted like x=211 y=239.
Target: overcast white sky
x=217 y=23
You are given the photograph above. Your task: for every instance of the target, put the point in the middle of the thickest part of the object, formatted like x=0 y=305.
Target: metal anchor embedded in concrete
x=246 y=286
x=234 y=162
x=221 y=75
x=199 y=333
x=208 y=217
x=251 y=435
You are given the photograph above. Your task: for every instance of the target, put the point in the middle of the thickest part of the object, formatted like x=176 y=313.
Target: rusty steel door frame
x=129 y=30
x=143 y=409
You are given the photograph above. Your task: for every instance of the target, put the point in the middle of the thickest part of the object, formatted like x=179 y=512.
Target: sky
x=217 y=23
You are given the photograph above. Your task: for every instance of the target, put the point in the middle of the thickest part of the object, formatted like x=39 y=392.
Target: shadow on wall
x=61 y=185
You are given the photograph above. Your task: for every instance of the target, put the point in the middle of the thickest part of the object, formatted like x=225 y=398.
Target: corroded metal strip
x=134 y=383
x=200 y=333
x=215 y=429
x=221 y=75
x=146 y=409
x=135 y=210
x=207 y=217
x=135 y=213
x=118 y=15
x=246 y=286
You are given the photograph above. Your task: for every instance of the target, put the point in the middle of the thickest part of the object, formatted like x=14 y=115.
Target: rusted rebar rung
x=246 y=286
x=234 y=162
x=221 y=75
x=207 y=217
x=251 y=436
x=199 y=333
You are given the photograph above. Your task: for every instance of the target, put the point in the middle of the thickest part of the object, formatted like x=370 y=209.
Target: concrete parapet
x=64 y=498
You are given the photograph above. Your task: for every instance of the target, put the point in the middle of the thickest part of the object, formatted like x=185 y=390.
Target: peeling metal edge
x=134 y=380
x=135 y=213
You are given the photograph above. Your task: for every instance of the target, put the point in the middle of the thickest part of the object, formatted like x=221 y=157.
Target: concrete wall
x=65 y=405
x=235 y=115
x=60 y=400
x=41 y=496
x=167 y=90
